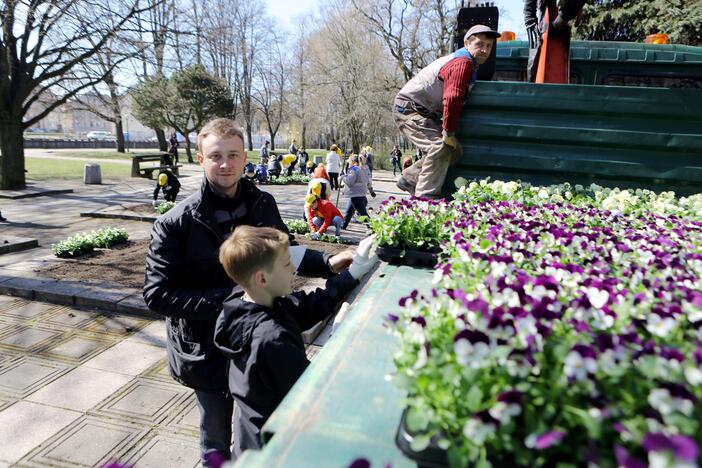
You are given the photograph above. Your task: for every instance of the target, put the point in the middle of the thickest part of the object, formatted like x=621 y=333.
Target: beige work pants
x=427 y=174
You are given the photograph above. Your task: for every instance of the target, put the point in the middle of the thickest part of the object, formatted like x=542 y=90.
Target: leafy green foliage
x=297 y=226
x=633 y=20
x=83 y=243
x=330 y=239
x=293 y=179
x=164 y=207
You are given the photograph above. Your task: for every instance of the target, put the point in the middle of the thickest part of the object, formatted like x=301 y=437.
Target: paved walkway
x=81 y=387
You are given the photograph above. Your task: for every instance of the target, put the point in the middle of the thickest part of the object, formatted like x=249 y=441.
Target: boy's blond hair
x=222 y=127
x=250 y=249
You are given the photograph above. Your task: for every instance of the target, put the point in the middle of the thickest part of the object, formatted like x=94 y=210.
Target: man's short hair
x=250 y=249
x=222 y=127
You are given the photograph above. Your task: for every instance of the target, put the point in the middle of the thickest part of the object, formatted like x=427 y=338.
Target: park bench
x=148 y=172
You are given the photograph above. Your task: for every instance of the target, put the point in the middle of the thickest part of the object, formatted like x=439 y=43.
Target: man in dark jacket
x=186 y=283
x=261 y=332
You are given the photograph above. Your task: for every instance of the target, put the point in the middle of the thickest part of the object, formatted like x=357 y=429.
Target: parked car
x=98 y=135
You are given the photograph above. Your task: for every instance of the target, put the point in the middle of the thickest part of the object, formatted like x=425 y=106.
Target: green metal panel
x=614 y=136
x=343 y=408
x=594 y=61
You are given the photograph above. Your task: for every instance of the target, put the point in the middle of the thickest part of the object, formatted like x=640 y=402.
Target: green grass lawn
x=47 y=168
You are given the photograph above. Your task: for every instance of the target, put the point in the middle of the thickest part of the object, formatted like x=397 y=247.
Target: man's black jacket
x=266 y=353
x=186 y=283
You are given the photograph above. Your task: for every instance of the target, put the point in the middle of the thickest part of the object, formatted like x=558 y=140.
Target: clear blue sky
x=511 y=18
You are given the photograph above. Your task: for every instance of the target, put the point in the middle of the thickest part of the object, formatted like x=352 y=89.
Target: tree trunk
x=162 y=143
x=12 y=159
x=119 y=133
x=248 y=135
x=273 y=134
x=304 y=135
x=187 y=148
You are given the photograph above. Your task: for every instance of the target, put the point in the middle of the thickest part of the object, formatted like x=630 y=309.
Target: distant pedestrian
x=293 y=147
x=370 y=159
x=334 y=163
x=264 y=152
x=173 y=147
x=395 y=158
x=275 y=167
x=304 y=158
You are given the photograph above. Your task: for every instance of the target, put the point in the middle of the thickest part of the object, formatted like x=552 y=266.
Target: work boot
x=404 y=185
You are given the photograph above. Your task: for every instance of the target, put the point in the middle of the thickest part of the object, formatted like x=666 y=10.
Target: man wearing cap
x=428 y=107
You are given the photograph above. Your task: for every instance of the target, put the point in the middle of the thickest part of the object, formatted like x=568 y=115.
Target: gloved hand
x=364 y=259
x=450 y=139
x=372 y=193
x=154 y=203
x=314 y=236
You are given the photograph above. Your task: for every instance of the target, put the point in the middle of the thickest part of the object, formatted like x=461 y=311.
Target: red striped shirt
x=456 y=75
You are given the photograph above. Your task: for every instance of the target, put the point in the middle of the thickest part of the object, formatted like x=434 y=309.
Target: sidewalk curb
x=107 y=297
x=43 y=193
x=95 y=214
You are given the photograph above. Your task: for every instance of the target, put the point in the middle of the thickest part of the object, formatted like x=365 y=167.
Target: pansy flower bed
x=557 y=333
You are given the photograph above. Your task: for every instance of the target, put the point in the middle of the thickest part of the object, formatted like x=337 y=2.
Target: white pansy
x=577 y=367
x=503 y=412
x=660 y=326
x=477 y=431
x=597 y=297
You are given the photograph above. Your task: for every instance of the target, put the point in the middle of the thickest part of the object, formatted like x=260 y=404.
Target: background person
x=169 y=184
x=334 y=163
x=356 y=184
x=428 y=107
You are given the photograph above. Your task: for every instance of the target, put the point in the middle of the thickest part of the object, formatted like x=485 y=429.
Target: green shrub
x=297 y=226
x=83 y=243
x=330 y=239
x=164 y=207
x=74 y=246
x=106 y=238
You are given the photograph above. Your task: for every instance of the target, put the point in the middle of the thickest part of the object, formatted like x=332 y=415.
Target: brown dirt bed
x=124 y=264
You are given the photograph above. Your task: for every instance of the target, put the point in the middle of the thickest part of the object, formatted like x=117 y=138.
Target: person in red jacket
x=428 y=107
x=322 y=214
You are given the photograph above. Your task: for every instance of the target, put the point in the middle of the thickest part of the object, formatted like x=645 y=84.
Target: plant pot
x=409 y=257
x=431 y=457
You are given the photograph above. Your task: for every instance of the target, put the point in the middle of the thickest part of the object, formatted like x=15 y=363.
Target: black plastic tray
x=431 y=457
x=409 y=257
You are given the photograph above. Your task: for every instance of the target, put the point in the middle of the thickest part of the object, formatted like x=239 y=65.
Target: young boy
x=321 y=214
x=261 y=332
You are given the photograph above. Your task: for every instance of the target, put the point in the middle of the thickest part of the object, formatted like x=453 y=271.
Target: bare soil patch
x=124 y=264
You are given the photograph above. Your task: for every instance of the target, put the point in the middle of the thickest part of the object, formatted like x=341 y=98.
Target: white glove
x=154 y=203
x=314 y=236
x=364 y=259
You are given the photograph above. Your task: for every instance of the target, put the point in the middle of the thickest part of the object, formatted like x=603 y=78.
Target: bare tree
x=415 y=32
x=250 y=26
x=270 y=85
x=42 y=45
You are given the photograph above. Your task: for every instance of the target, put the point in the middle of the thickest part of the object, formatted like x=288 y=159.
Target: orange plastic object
x=506 y=36
x=657 y=39
x=554 y=60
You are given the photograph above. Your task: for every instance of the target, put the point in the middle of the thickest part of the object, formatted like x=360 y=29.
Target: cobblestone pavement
x=81 y=387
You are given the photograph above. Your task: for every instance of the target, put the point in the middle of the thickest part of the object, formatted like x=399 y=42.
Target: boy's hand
x=364 y=259
x=340 y=261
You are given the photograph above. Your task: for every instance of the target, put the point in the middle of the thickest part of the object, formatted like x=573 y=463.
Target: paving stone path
x=82 y=387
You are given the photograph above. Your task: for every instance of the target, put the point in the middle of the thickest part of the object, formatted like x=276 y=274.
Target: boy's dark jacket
x=265 y=350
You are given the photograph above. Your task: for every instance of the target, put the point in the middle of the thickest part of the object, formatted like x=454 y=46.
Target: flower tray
x=409 y=257
x=431 y=457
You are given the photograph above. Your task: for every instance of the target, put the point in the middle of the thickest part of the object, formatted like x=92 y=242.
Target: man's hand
x=340 y=261
x=450 y=139
x=154 y=203
x=314 y=236
x=364 y=259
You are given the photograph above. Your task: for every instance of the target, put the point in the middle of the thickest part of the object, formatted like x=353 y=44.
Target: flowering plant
x=631 y=202
x=417 y=223
x=557 y=333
